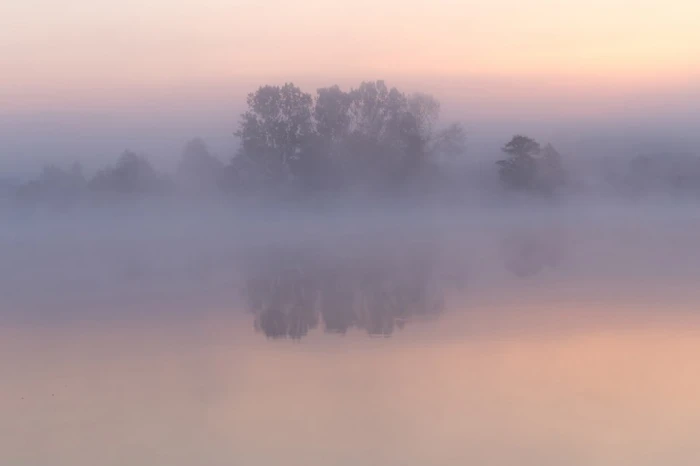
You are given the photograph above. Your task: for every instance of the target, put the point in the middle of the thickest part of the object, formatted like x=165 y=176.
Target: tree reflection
x=375 y=283
x=529 y=253
x=292 y=289
x=282 y=291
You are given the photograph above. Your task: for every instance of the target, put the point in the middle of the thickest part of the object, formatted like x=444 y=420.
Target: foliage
x=199 y=171
x=132 y=174
x=55 y=184
x=371 y=136
x=529 y=167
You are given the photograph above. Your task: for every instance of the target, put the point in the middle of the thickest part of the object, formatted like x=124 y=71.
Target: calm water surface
x=582 y=352
x=477 y=390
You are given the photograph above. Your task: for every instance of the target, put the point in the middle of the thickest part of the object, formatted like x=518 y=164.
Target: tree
x=426 y=110
x=131 y=174
x=372 y=135
x=550 y=174
x=518 y=171
x=331 y=113
x=55 y=184
x=276 y=130
x=448 y=143
x=530 y=167
x=199 y=171
x=332 y=155
x=375 y=110
x=389 y=132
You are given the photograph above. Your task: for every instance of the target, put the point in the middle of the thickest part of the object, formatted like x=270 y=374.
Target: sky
x=111 y=67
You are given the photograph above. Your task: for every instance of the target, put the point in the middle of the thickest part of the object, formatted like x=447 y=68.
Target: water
x=584 y=355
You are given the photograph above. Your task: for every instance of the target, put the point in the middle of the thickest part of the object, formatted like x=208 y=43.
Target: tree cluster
x=530 y=167
x=370 y=138
x=373 y=136
x=653 y=174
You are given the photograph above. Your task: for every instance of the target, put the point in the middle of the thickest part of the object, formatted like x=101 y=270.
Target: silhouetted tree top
x=522 y=146
x=551 y=173
x=373 y=135
x=331 y=112
x=55 y=184
x=198 y=170
x=658 y=173
x=275 y=128
x=131 y=174
x=528 y=167
x=449 y=142
x=370 y=138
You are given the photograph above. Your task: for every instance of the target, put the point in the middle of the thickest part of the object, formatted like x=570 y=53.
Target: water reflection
x=527 y=253
x=375 y=286
x=373 y=283
x=562 y=346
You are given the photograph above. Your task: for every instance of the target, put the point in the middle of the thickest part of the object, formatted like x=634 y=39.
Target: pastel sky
x=79 y=77
x=91 y=49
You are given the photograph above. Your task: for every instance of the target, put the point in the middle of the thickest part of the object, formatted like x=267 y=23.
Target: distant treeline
x=372 y=139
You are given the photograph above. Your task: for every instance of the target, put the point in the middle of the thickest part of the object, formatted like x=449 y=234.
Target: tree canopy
x=372 y=135
x=529 y=167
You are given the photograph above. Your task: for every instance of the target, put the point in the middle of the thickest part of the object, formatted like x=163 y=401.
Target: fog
x=582 y=120
x=352 y=233
x=336 y=268
x=342 y=209
x=348 y=273
x=210 y=331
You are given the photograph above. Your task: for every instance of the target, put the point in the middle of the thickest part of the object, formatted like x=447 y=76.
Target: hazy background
x=85 y=80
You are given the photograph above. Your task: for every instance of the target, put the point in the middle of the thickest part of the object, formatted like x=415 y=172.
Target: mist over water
x=303 y=268
x=204 y=333
x=352 y=287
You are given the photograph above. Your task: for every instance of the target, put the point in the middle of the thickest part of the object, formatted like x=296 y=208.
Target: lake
x=546 y=339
